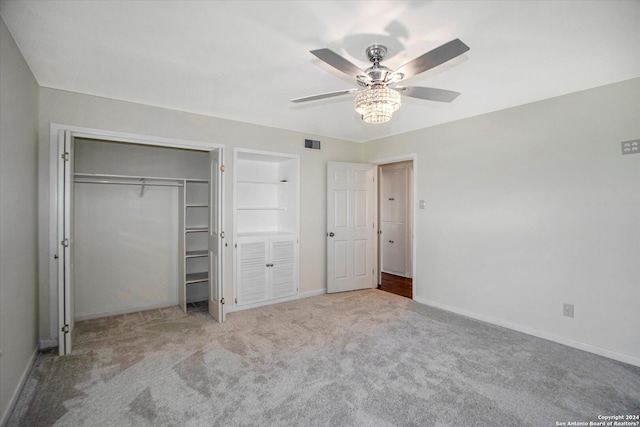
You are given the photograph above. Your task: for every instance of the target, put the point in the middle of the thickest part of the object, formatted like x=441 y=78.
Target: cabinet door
x=251 y=272
x=283 y=270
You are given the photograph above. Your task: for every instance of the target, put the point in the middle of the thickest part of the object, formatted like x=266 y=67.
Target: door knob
x=331 y=234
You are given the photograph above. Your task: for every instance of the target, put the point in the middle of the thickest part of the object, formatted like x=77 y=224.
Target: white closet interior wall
x=126 y=246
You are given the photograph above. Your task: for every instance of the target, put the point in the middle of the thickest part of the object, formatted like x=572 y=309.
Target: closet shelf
x=197 y=254
x=196 y=277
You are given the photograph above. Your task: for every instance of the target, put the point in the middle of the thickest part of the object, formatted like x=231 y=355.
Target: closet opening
x=139 y=227
x=395 y=227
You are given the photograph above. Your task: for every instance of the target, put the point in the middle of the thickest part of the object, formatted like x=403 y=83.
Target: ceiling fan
x=379 y=95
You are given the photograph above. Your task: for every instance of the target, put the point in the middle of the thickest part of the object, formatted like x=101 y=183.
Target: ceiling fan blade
x=324 y=95
x=433 y=58
x=429 y=93
x=338 y=62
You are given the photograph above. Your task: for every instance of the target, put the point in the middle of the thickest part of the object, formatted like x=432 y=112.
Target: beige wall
x=532 y=207
x=18 y=220
x=75 y=109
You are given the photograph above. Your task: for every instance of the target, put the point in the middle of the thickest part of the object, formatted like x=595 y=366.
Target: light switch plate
x=567 y=310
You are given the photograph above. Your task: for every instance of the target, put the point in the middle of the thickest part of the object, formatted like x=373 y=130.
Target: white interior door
x=216 y=235
x=350 y=226
x=66 y=313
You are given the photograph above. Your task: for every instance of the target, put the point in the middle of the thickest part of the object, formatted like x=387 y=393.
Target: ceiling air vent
x=312 y=144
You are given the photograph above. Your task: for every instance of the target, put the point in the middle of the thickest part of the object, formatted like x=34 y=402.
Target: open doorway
x=395 y=226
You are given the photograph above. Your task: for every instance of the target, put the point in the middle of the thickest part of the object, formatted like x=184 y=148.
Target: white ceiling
x=244 y=60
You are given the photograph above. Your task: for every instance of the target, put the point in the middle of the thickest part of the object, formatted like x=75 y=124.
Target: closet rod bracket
x=143 y=183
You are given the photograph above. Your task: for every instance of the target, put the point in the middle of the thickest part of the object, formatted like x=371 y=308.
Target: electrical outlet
x=631 y=147
x=567 y=310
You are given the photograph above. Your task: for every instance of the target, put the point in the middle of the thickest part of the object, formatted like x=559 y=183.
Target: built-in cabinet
x=266 y=230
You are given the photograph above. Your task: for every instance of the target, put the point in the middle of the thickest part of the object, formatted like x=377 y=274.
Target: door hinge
x=65 y=329
x=235 y=246
x=65 y=156
x=65 y=243
x=222 y=234
x=222 y=301
x=221 y=168
x=236 y=300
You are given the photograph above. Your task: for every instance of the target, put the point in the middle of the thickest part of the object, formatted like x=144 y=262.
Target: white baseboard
x=81 y=317
x=18 y=390
x=313 y=293
x=534 y=332
x=234 y=308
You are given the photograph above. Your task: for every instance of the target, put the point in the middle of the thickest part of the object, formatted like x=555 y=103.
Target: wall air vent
x=312 y=144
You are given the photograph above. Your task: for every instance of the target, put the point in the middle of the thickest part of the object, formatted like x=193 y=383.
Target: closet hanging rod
x=121 y=182
x=104 y=176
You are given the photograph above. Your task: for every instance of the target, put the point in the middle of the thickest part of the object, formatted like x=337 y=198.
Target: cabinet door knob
x=390 y=241
x=331 y=234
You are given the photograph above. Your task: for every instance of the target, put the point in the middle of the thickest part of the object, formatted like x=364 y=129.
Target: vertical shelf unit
x=194 y=244
x=266 y=207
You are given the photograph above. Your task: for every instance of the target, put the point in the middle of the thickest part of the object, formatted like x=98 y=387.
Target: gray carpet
x=365 y=358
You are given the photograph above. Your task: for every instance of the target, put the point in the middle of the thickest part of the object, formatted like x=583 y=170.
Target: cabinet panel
x=393 y=248
x=393 y=185
x=283 y=269
x=251 y=272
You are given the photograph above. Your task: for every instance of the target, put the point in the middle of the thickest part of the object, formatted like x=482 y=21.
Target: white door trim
x=105 y=135
x=402 y=158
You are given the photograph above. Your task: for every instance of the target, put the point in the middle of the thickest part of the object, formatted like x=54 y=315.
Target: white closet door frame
x=54 y=238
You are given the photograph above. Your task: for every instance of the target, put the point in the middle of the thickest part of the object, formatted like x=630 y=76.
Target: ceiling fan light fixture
x=377 y=104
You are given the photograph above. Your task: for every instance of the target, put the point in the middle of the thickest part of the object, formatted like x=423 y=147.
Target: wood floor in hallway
x=398 y=285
